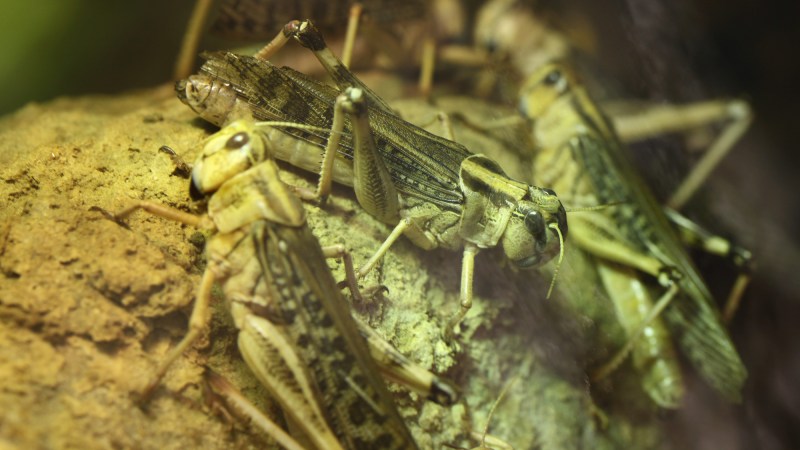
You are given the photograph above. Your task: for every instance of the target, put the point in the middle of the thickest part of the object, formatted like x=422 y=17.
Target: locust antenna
x=593 y=208
x=560 y=258
x=299 y=126
x=561 y=238
x=493 y=408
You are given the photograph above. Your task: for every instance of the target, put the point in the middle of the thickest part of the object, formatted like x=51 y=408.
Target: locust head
x=529 y=222
x=536 y=230
x=557 y=104
x=546 y=86
x=211 y=98
x=226 y=154
x=235 y=166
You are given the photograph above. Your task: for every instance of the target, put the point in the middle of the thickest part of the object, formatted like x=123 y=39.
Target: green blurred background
x=50 y=48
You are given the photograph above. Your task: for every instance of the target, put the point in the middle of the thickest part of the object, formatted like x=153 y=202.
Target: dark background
x=684 y=51
x=660 y=49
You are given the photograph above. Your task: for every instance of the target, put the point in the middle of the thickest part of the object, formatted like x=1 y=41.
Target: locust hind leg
x=200 y=312
x=373 y=185
x=697 y=236
x=197 y=323
x=236 y=401
x=647 y=337
x=599 y=235
x=665 y=391
x=274 y=361
x=397 y=367
x=310 y=37
x=680 y=118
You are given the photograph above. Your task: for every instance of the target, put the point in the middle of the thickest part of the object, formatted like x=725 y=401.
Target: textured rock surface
x=88 y=307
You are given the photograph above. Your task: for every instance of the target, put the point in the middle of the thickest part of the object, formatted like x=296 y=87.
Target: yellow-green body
x=579 y=155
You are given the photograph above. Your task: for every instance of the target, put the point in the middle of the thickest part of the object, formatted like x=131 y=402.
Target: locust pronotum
x=295 y=330
x=436 y=192
x=579 y=153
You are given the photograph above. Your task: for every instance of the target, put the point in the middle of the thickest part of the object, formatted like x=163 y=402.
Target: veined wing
x=692 y=316
x=421 y=164
x=315 y=316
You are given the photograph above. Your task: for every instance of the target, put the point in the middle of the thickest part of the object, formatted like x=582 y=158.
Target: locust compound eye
x=553 y=78
x=556 y=80
x=237 y=141
x=534 y=223
x=190 y=93
x=525 y=241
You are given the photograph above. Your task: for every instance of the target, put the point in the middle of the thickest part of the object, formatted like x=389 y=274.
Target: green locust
x=579 y=154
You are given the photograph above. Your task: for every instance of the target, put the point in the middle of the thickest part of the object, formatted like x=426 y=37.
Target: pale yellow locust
x=579 y=154
x=295 y=328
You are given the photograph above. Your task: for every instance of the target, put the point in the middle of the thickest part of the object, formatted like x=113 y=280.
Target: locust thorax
x=520 y=217
x=226 y=155
x=212 y=99
x=536 y=230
